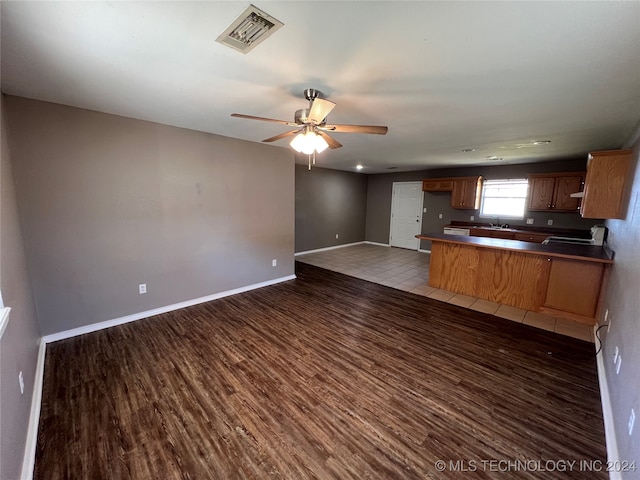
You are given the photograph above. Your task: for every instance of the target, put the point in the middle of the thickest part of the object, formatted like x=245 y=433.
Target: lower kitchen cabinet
x=563 y=298
x=561 y=285
x=530 y=237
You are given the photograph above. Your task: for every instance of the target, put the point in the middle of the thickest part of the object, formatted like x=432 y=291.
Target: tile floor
x=409 y=270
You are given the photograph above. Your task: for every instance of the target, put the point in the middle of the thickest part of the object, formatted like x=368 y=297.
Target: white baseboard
x=29 y=459
x=609 y=429
x=28 y=462
x=325 y=249
x=54 y=337
x=377 y=243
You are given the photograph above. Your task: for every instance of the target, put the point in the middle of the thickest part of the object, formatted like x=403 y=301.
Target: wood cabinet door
x=541 y=193
x=606 y=185
x=437 y=185
x=502 y=234
x=564 y=187
x=458 y=193
x=465 y=193
x=479 y=232
x=574 y=286
x=530 y=237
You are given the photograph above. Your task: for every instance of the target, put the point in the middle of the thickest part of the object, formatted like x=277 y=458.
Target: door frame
x=393 y=186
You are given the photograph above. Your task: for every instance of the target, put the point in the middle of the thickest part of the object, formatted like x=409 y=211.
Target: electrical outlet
x=615 y=356
x=618 y=365
x=529 y=221
x=632 y=420
x=440 y=216
x=549 y=222
x=21 y=382
x=274 y=262
x=472 y=218
x=337 y=236
x=142 y=288
x=424 y=210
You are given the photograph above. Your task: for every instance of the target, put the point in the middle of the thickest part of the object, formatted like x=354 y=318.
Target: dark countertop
x=560 y=232
x=587 y=253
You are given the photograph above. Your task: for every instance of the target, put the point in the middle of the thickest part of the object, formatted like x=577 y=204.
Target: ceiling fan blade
x=374 y=129
x=333 y=143
x=264 y=119
x=320 y=108
x=282 y=135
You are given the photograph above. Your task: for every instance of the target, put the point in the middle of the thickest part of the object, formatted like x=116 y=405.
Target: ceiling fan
x=311 y=126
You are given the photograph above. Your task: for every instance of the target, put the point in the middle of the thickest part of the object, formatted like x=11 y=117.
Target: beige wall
x=109 y=202
x=329 y=202
x=19 y=347
x=623 y=303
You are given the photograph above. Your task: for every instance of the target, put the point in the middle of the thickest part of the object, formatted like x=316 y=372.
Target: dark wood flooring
x=323 y=377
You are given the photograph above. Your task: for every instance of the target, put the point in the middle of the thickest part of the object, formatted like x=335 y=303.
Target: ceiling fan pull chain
x=309 y=161
x=314 y=157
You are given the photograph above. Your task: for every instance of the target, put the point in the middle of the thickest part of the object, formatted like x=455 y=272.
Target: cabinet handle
x=548 y=259
x=549 y=206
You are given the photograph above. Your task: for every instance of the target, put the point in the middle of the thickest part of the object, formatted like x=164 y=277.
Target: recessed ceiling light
x=468 y=150
x=391 y=168
x=541 y=142
x=493 y=158
x=359 y=167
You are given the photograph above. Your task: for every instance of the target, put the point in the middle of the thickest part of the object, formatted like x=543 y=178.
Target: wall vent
x=251 y=28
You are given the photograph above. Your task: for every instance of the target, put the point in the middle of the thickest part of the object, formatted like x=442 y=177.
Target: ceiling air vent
x=249 y=29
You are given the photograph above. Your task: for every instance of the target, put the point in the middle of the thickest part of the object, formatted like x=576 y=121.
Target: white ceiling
x=444 y=76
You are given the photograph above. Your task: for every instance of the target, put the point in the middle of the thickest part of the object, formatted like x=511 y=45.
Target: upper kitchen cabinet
x=552 y=192
x=466 y=192
x=606 y=184
x=437 y=185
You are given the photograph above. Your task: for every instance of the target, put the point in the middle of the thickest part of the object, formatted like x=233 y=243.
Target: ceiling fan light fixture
x=309 y=142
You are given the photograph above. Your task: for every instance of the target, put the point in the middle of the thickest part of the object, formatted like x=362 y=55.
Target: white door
x=406 y=214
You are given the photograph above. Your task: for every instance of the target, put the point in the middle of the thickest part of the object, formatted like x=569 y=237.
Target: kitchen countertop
x=588 y=253
x=559 y=232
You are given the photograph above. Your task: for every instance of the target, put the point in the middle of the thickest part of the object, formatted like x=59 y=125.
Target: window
x=504 y=198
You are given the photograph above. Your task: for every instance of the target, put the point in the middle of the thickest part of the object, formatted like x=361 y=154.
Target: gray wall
x=380 y=188
x=109 y=202
x=329 y=202
x=623 y=302
x=19 y=347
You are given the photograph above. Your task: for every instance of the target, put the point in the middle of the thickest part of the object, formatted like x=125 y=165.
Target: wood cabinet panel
x=437 y=185
x=466 y=193
x=606 y=184
x=552 y=192
x=574 y=287
x=480 y=232
x=512 y=278
x=531 y=237
x=541 y=193
x=453 y=267
x=564 y=187
x=502 y=234
x=556 y=285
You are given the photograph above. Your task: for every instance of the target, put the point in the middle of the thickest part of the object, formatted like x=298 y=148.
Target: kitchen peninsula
x=557 y=279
